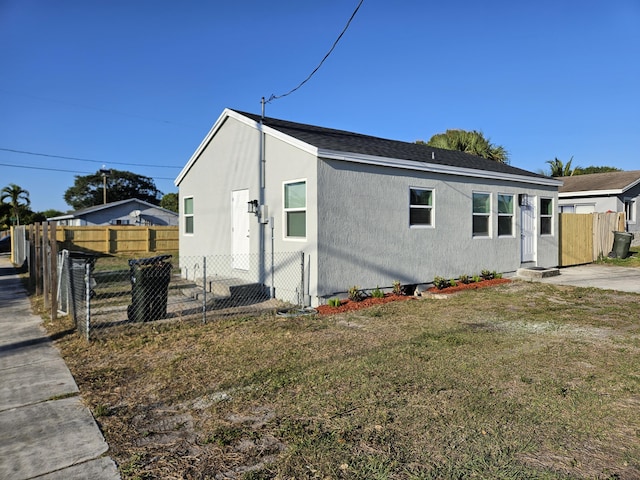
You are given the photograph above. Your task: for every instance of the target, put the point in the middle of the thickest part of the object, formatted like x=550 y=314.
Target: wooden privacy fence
x=585 y=237
x=118 y=239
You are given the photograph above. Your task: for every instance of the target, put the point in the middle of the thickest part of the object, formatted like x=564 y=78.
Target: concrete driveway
x=598 y=276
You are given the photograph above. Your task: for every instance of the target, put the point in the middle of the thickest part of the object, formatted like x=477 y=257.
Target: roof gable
x=344 y=145
x=608 y=183
x=106 y=206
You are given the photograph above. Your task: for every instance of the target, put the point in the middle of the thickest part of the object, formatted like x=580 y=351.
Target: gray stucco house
x=366 y=211
x=124 y=212
x=603 y=192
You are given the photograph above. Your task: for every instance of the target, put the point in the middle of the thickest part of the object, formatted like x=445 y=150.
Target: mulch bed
x=349 y=306
x=470 y=286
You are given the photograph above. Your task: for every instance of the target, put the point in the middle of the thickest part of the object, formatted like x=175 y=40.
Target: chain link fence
x=104 y=299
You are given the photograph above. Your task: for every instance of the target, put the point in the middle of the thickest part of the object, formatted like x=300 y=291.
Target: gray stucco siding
x=364 y=237
x=229 y=162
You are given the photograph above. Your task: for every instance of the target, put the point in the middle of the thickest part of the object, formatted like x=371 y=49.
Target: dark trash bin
x=78 y=262
x=621 y=244
x=149 y=288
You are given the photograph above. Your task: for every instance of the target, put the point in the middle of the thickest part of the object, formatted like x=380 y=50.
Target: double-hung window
x=188 y=214
x=481 y=214
x=295 y=209
x=546 y=216
x=420 y=207
x=505 y=215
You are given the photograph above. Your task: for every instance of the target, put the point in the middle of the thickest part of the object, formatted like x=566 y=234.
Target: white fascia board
x=434 y=168
x=591 y=193
x=249 y=122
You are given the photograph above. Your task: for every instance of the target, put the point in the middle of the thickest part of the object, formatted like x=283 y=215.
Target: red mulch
x=470 y=286
x=348 y=305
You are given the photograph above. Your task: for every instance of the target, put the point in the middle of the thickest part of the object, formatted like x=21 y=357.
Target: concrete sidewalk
x=622 y=279
x=45 y=430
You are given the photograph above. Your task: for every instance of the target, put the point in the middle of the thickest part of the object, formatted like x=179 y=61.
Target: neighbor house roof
x=343 y=145
x=598 y=184
x=96 y=208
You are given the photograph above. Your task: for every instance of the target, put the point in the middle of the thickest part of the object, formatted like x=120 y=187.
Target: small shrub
x=355 y=294
x=334 y=302
x=466 y=279
x=476 y=278
x=452 y=283
x=397 y=288
x=377 y=293
x=497 y=275
x=486 y=275
x=441 y=282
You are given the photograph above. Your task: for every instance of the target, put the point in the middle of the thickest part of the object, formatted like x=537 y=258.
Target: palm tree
x=472 y=142
x=559 y=169
x=18 y=198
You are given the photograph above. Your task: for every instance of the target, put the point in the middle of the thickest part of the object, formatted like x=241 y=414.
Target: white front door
x=240 y=230
x=528 y=229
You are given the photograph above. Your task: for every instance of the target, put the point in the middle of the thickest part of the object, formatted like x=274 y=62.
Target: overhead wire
x=66 y=171
x=24 y=152
x=276 y=97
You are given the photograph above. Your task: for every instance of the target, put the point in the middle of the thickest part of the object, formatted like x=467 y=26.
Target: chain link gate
x=188 y=288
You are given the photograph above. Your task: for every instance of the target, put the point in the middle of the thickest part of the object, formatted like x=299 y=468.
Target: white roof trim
x=592 y=193
x=434 y=168
x=249 y=122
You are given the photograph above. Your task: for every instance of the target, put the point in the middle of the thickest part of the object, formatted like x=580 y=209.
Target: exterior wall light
x=252 y=206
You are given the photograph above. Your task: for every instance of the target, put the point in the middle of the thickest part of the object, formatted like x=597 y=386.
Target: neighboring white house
x=124 y=212
x=365 y=210
x=603 y=192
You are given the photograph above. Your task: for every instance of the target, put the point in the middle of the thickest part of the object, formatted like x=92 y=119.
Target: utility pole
x=104 y=173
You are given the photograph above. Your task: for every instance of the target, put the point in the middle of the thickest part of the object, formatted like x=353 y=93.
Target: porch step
x=537 y=272
x=234 y=289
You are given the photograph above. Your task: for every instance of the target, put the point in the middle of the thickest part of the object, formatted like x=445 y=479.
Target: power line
x=85 y=159
x=67 y=171
x=99 y=109
x=276 y=97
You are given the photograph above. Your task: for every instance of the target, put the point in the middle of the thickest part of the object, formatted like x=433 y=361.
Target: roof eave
x=228 y=113
x=591 y=193
x=434 y=168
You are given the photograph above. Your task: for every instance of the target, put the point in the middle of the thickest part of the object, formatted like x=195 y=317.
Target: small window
x=546 y=216
x=420 y=207
x=505 y=215
x=295 y=209
x=188 y=215
x=630 y=210
x=481 y=214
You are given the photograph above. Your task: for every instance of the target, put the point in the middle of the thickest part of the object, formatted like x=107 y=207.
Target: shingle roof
x=609 y=181
x=343 y=141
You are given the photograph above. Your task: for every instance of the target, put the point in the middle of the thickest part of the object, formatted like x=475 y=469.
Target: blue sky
x=134 y=83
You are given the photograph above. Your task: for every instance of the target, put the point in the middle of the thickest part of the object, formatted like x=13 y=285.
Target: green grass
x=525 y=380
x=632 y=260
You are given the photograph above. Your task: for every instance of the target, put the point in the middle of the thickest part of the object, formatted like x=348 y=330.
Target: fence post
x=45 y=264
x=301 y=299
x=87 y=290
x=204 y=289
x=54 y=271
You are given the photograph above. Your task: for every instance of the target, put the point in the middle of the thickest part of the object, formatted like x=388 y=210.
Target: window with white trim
x=546 y=216
x=630 y=210
x=420 y=207
x=187 y=213
x=295 y=209
x=505 y=215
x=481 y=214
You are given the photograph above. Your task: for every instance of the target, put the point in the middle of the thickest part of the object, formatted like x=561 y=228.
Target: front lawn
x=523 y=380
